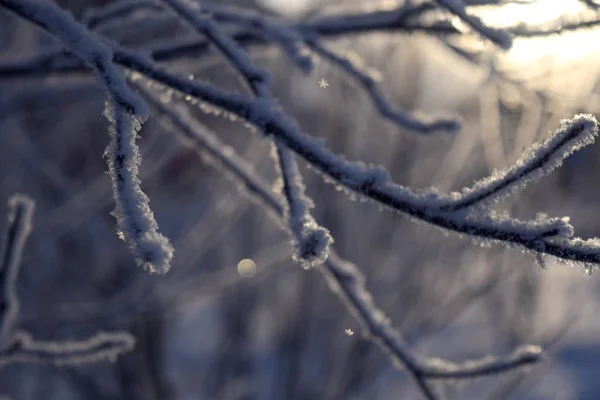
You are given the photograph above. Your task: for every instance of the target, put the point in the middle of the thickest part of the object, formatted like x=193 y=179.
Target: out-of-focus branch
x=19 y=227
x=558 y=26
x=364 y=77
x=404 y=19
x=591 y=3
x=497 y=36
x=99 y=347
x=19 y=346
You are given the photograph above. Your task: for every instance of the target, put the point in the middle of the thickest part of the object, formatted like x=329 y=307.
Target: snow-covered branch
x=99 y=347
x=19 y=346
x=344 y=278
x=538 y=161
x=369 y=181
x=310 y=240
x=125 y=112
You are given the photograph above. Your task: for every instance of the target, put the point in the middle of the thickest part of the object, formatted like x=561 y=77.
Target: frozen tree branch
x=371 y=182
x=99 y=347
x=311 y=241
x=368 y=181
x=344 y=278
x=125 y=111
x=466 y=212
x=538 y=161
x=19 y=227
x=19 y=346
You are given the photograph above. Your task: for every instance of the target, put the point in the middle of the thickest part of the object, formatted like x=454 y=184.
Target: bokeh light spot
x=246 y=268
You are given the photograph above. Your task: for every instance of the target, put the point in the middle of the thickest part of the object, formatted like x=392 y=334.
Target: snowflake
x=349 y=332
x=323 y=83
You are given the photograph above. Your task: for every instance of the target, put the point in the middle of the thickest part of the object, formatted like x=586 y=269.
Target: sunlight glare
x=562 y=48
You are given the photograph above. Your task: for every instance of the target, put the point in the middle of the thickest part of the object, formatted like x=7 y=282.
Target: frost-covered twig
x=538 y=161
x=19 y=346
x=497 y=36
x=126 y=112
x=345 y=278
x=311 y=241
x=99 y=347
x=19 y=227
x=369 y=181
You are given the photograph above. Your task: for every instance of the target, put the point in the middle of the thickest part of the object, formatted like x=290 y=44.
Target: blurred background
x=208 y=330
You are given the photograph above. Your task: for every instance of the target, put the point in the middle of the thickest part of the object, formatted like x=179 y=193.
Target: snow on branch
x=372 y=182
x=311 y=241
x=19 y=226
x=125 y=111
x=99 y=347
x=135 y=219
x=19 y=346
x=345 y=279
x=538 y=161
x=497 y=36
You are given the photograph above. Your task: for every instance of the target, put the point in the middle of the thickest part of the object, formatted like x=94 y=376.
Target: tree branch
x=125 y=112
